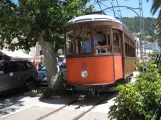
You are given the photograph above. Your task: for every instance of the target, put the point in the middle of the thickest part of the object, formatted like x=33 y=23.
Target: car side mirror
x=1 y=72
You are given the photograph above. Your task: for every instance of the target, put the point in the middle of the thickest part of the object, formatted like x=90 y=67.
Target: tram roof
x=93 y=17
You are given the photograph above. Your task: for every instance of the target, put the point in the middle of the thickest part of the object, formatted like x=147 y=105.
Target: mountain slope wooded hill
x=133 y=24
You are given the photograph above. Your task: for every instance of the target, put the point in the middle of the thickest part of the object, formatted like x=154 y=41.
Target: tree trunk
x=158 y=113
x=52 y=70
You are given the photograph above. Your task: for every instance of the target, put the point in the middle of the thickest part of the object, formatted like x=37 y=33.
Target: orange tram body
x=100 y=65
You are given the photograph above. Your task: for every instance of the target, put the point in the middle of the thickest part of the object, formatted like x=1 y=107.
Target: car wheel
x=30 y=85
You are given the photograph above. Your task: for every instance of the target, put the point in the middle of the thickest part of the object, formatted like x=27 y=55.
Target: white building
x=148 y=47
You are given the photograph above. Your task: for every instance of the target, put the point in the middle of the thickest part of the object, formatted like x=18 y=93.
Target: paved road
x=27 y=108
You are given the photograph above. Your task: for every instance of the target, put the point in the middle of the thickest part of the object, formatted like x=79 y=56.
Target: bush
x=143 y=66
x=139 y=100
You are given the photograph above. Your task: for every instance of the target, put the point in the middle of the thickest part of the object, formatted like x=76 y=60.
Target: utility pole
x=141 y=29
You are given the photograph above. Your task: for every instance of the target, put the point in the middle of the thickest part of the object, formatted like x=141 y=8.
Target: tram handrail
x=107 y=49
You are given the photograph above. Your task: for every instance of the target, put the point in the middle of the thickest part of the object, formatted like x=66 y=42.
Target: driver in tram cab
x=86 y=47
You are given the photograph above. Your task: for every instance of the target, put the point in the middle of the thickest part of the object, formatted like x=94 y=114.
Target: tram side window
x=129 y=48
x=116 y=41
x=102 y=35
x=70 y=43
x=126 y=49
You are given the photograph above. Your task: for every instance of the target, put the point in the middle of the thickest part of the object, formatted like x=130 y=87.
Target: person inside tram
x=86 y=47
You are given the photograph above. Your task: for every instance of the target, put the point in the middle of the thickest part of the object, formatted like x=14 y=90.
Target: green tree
x=38 y=20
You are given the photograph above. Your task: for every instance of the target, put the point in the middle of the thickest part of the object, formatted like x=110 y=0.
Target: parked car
x=42 y=79
x=17 y=73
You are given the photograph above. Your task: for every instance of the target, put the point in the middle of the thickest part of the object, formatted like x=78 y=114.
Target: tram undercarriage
x=97 y=89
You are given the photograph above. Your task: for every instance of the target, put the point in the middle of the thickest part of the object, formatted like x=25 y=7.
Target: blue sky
x=124 y=12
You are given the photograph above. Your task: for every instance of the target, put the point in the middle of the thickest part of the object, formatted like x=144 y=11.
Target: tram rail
x=93 y=106
x=80 y=99
x=45 y=116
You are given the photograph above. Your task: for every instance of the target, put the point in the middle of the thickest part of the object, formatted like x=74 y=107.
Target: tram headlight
x=84 y=73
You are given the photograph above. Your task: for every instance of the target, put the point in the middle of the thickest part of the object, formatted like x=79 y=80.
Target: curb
x=32 y=95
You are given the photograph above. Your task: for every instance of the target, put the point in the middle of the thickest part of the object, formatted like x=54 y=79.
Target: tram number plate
x=84 y=64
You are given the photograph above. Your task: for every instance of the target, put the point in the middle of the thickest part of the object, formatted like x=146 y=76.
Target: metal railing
x=103 y=49
x=107 y=49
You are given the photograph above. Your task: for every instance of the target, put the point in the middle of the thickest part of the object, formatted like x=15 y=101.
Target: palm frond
x=159 y=28
x=156 y=5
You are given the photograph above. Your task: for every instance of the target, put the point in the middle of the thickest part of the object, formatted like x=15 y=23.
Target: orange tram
x=100 y=52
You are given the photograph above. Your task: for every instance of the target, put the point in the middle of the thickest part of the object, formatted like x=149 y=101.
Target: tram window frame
x=98 y=30
x=127 y=46
x=102 y=33
x=117 y=47
x=72 y=41
x=84 y=35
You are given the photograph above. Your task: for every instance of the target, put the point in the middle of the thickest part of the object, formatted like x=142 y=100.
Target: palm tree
x=155 y=7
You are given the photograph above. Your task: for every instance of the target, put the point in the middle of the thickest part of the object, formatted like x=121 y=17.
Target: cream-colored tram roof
x=92 y=17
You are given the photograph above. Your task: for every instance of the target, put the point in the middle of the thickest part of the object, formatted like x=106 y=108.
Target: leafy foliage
x=144 y=66
x=139 y=100
x=30 y=21
x=28 y=18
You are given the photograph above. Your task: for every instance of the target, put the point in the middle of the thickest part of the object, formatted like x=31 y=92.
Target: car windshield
x=43 y=68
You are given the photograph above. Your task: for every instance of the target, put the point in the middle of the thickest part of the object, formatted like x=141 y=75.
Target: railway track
x=100 y=100
x=93 y=106
x=45 y=116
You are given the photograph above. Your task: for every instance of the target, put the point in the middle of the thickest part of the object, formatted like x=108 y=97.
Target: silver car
x=15 y=73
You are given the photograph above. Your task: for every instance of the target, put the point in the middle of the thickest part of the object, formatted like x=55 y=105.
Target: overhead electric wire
x=119 y=9
x=99 y=4
x=110 y=8
x=113 y=10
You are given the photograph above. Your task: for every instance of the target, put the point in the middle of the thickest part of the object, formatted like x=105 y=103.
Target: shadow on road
x=88 y=99
x=10 y=101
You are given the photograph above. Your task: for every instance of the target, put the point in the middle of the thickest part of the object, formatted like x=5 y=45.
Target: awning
x=16 y=54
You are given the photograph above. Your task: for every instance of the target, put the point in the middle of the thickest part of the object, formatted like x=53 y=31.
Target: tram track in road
x=45 y=116
x=80 y=102
x=93 y=106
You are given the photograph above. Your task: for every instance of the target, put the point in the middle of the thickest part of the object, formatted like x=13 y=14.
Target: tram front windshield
x=80 y=41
